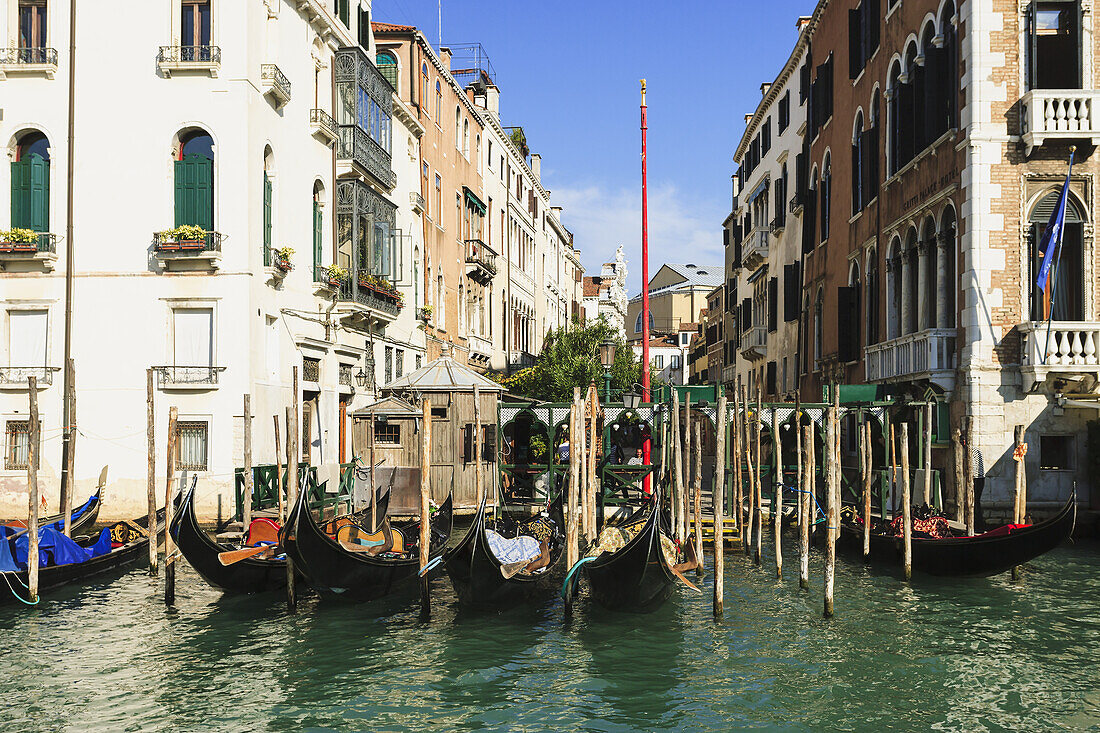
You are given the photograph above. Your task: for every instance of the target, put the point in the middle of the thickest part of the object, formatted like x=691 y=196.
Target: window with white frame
x=191 y=445
x=27 y=331
x=192 y=343
x=16 y=445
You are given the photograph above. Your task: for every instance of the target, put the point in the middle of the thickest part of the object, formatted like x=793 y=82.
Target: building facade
x=264 y=231
x=677 y=296
x=604 y=295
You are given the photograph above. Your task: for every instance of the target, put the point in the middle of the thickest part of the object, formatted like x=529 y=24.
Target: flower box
x=283 y=265
x=18 y=247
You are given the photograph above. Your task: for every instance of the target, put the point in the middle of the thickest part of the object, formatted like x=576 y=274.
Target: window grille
x=311 y=369
x=191 y=445
x=17 y=442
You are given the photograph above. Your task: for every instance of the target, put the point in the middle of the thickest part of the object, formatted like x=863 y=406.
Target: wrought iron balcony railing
x=368 y=298
x=17 y=375
x=45 y=243
x=482 y=257
x=275 y=82
x=198 y=375
x=28 y=56
x=357 y=146
x=417 y=201
x=167 y=244
x=321 y=122
x=189 y=55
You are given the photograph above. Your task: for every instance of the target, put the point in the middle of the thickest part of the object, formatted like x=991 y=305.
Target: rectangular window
x=27 y=338
x=437 y=204
x=193 y=337
x=32 y=24
x=400 y=364
x=387 y=433
x=419 y=361
x=195 y=25
x=1056 y=453
x=439 y=413
x=389 y=364
x=17 y=442
x=766 y=137
x=659 y=361
x=785 y=111
x=191 y=443
x=1054 y=45
x=675 y=361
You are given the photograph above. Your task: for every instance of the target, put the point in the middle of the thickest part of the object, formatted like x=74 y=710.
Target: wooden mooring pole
x=831 y=492
x=68 y=484
x=33 y=442
x=718 y=501
x=293 y=451
x=580 y=445
x=677 y=464
x=689 y=481
x=169 y=559
x=777 y=499
x=1020 y=507
x=571 y=549
x=697 y=494
x=868 y=467
x=593 y=524
x=479 y=490
x=280 y=481
x=927 y=461
x=809 y=485
x=906 y=503
x=758 y=426
x=959 y=492
x=969 y=478
x=425 y=507
x=746 y=449
x=735 y=458
x=246 y=510
x=151 y=469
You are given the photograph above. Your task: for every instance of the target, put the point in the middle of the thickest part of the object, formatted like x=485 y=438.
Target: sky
x=568 y=73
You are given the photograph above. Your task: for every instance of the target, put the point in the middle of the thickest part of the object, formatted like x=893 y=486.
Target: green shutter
x=267 y=220
x=317 y=228
x=195 y=192
x=30 y=194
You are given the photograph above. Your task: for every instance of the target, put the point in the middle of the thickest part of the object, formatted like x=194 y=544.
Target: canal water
x=962 y=655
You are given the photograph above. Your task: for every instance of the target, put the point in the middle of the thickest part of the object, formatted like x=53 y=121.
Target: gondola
x=635 y=577
x=335 y=572
x=132 y=550
x=975 y=556
x=476 y=573
x=251 y=575
x=81 y=521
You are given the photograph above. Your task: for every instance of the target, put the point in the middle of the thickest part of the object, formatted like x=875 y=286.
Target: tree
x=571 y=358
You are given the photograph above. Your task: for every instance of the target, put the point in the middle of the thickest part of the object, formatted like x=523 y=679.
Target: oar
x=232 y=556
x=363 y=546
x=511 y=568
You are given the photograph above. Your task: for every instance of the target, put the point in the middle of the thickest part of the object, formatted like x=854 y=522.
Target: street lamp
x=631 y=400
x=607 y=359
x=361 y=377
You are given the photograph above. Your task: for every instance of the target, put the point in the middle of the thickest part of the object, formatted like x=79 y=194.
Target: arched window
x=909 y=108
x=893 y=289
x=929 y=95
x=911 y=273
x=1066 y=288
x=948 y=82
x=386 y=61
x=928 y=270
x=318 y=228
x=859 y=177
x=30 y=183
x=424 y=89
x=826 y=196
x=638 y=322
x=947 y=247
x=458 y=129
x=466 y=138
x=438 y=103
x=893 y=100
x=269 y=169
x=477 y=152
x=819 y=307
x=416 y=277
x=440 y=312
x=870 y=288
x=462 y=309
x=194 y=179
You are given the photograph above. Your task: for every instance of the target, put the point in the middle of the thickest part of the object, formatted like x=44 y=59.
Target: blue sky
x=568 y=73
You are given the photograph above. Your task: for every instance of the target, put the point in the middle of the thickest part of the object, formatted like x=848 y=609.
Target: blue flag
x=1052 y=235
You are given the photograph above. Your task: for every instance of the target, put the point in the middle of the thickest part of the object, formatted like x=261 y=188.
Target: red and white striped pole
x=647 y=446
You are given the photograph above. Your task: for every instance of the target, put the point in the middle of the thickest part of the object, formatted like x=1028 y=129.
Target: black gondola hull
x=475 y=572
x=635 y=578
x=969 y=557
x=252 y=575
x=337 y=573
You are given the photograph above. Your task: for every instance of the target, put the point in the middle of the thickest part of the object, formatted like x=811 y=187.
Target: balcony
x=361 y=304
x=323 y=126
x=42 y=252
x=358 y=153
x=778 y=224
x=754 y=250
x=187 y=377
x=15 y=377
x=173 y=253
x=481 y=261
x=481 y=350
x=417 y=202
x=520 y=360
x=273 y=82
x=1070 y=350
x=1060 y=114
x=928 y=354
x=189 y=60
x=795 y=204
x=28 y=61
x=754 y=343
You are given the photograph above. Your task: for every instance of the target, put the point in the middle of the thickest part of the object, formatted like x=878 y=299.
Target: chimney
x=764 y=88
x=536 y=166
x=445 y=57
x=802 y=22
x=748 y=119
x=492 y=99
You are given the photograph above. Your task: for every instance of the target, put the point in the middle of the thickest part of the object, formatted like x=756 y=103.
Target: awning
x=477 y=203
x=758 y=190
x=758 y=274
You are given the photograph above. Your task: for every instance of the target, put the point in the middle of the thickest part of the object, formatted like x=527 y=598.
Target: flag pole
x=647 y=446
x=1057 y=258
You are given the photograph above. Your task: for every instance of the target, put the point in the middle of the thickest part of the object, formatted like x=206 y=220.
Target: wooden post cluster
x=579 y=445
x=738 y=493
x=697 y=494
x=833 y=494
x=151 y=469
x=572 y=553
x=868 y=467
x=906 y=503
x=1019 y=513
x=809 y=485
x=292 y=453
x=777 y=500
x=280 y=478
x=689 y=481
x=593 y=523
x=677 y=464
x=758 y=490
x=33 y=441
x=169 y=555
x=718 y=501
x=425 y=507
x=746 y=444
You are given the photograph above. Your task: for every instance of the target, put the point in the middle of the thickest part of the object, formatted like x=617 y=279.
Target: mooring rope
x=431 y=564
x=572 y=576
x=17 y=596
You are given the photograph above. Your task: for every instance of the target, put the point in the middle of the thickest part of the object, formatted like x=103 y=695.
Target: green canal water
x=959 y=655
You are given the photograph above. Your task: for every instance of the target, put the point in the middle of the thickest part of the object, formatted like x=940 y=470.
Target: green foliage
x=571 y=358
x=537 y=451
x=185 y=232
x=18 y=236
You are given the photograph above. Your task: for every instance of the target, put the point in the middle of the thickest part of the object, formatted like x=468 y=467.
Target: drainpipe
x=69 y=434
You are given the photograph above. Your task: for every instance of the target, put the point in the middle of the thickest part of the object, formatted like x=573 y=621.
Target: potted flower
x=185 y=236
x=282 y=259
x=334 y=275
x=18 y=240
x=424 y=313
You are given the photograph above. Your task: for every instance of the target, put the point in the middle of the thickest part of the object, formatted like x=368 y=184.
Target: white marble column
x=905 y=312
x=921 y=321
x=941 y=281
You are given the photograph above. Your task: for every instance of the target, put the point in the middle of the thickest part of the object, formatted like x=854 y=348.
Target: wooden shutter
x=30 y=193
x=267 y=220
x=195 y=191
x=317 y=229
x=847 y=304
x=769 y=378
x=855 y=46
x=874 y=18
x=791 y=288
x=746 y=314
x=773 y=304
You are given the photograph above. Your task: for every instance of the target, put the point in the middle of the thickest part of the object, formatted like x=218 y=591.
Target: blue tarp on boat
x=77 y=514
x=54 y=548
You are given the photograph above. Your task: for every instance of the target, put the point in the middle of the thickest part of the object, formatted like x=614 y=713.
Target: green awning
x=477 y=203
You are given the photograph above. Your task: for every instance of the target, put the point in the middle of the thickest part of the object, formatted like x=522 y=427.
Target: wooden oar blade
x=233 y=556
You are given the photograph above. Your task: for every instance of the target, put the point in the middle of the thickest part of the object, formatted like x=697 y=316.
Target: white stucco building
x=268 y=125
x=604 y=295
